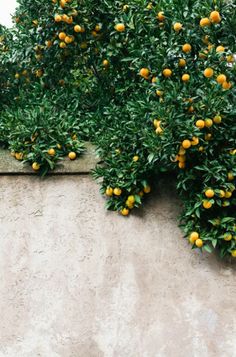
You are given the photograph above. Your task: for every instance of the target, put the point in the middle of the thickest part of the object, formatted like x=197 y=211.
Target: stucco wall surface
x=77 y=281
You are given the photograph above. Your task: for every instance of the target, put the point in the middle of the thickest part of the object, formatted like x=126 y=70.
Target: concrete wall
x=77 y=281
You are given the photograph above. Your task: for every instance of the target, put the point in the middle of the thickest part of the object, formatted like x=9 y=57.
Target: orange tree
x=179 y=116
x=151 y=84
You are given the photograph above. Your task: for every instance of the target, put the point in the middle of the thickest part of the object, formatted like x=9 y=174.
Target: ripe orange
x=57 y=18
x=72 y=155
x=167 y=72
x=199 y=243
x=186 y=48
x=109 y=191
x=35 y=166
x=131 y=199
x=195 y=141
x=186 y=144
x=135 y=158
x=69 y=39
x=220 y=49
x=221 y=79
x=215 y=17
x=62 y=36
x=125 y=212
x=144 y=72
x=200 y=124
x=207 y=204
x=205 y=22
x=226 y=85
x=194 y=236
x=208 y=123
x=185 y=77
x=182 y=62
x=177 y=26
x=120 y=27
x=161 y=16
x=208 y=73
x=52 y=152
x=19 y=156
x=209 y=193
x=117 y=191
x=105 y=63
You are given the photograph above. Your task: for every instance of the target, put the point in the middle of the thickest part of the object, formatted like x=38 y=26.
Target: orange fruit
x=105 y=63
x=167 y=72
x=186 y=48
x=72 y=155
x=228 y=194
x=208 y=73
x=62 y=36
x=228 y=237
x=220 y=49
x=209 y=193
x=35 y=166
x=131 y=199
x=226 y=85
x=69 y=39
x=207 y=204
x=177 y=26
x=233 y=253
x=19 y=156
x=182 y=62
x=125 y=212
x=200 y=124
x=195 y=141
x=194 y=236
x=221 y=78
x=186 y=144
x=57 y=18
x=208 y=123
x=205 y=22
x=185 y=77
x=144 y=72
x=230 y=59
x=217 y=119
x=135 y=158
x=52 y=152
x=109 y=191
x=215 y=17
x=117 y=191
x=199 y=243
x=62 y=45
x=161 y=16
x=120 y=27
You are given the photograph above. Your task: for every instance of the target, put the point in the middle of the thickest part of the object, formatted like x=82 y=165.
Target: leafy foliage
x=152 y=84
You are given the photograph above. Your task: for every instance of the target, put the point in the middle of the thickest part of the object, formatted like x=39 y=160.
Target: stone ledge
x=83 y=165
